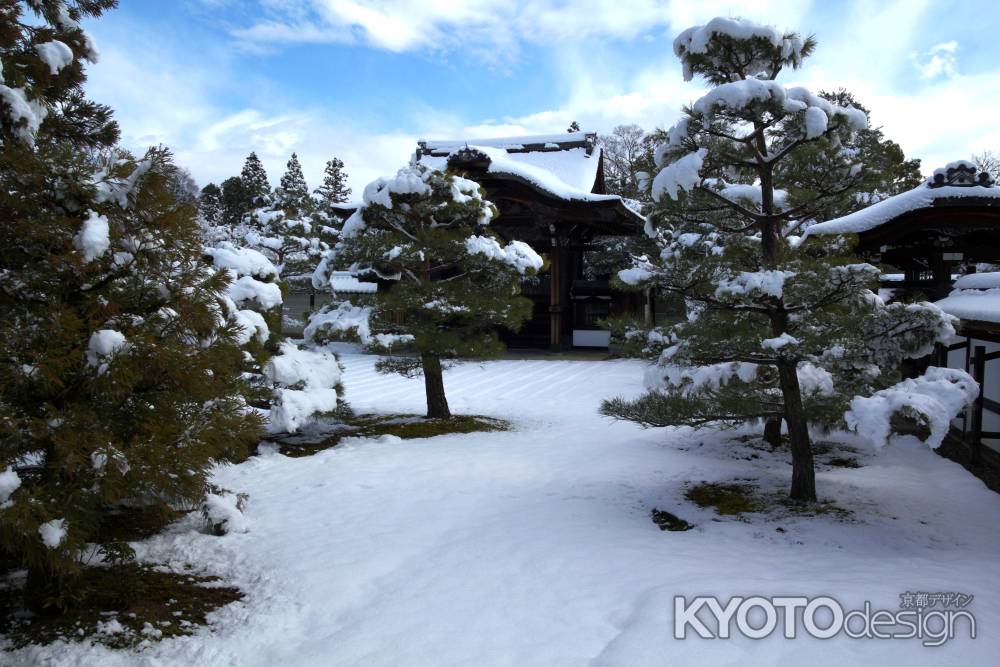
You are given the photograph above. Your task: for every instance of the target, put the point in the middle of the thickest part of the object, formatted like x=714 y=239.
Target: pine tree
x=292 y=195
x=256 y=187
x=334 y=189
x=447 y=282
x=235 y=202
x=119 y=384
x=210 y=205
x=777 y=328
x=573 y=127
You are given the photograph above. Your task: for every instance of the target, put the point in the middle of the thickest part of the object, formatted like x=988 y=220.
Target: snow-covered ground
x=535 y=546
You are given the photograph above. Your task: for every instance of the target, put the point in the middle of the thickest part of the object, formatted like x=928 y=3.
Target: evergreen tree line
x=227 y=203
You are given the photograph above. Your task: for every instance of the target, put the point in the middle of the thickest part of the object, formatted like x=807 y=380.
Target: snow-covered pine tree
x=446 y=282
x=573 y=127
x=210 y=204
x=256 y=187
x=119 y=380
x=292 y=195
x=334 y=189
x=777 y=327
x=288 y=241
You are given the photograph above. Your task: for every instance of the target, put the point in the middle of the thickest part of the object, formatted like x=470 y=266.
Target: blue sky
x=364 y=79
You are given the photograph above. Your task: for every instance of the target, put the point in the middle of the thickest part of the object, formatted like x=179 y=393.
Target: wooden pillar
x=976 y=432
x=555 y=296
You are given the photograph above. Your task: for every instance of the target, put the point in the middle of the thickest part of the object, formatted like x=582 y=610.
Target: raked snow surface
x=535 y=546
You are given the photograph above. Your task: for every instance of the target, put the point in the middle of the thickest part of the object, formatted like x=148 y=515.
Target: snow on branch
x=701 y=40
x=763 y=283
x=933 y=399
x=516 y=254
x=93 y=238
x=680 y=175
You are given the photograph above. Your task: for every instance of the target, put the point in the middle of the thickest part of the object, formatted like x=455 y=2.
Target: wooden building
x=549 y=191
x=934 y=238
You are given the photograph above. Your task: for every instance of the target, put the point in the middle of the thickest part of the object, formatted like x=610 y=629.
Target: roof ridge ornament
x=469 y=158
x=962 y=174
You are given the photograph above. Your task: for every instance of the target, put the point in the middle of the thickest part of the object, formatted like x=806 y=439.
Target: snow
x=246 y=288
x=55 y=54
x=694 y=380
x=534 y=546
x=103 y=344
x=343 y=282
x=987 y=280
x=937 y=395
x=743 y=193
x=816 y=122
x=769 y=283
x=93 y=239
x=293 y=365
x=882 y=212
x=111 y=627
x=244 y=261
x=636 y=275
x=698 y=38
x=406 y=181
x=222 y=510
x=22 y=110
x=252 y=325
x=976 y=297
x=738 y=95
x=306 y=381
x=779 y=342
x=680 y=175
x=52 y=532
x=516 y=254
x=568 y=174
x=9 y=483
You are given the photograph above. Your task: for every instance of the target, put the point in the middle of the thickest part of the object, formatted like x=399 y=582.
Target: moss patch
x=725 y=499
x=400 y=425
x=123 y=606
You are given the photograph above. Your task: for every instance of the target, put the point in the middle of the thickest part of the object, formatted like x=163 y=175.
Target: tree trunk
x=772 y=432
x=803 y=473
x=437 y=403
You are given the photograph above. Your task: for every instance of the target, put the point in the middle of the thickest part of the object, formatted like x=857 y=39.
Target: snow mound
x=934 y=399
x=244 y=261
x=976 y=297
x=306 y=384
x=223 y=512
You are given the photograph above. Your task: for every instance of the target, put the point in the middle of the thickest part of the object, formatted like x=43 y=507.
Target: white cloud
x=492 y=29
x=938 y=60
x=186 y=100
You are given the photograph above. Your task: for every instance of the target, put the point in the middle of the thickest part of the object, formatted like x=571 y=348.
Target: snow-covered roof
x=954 y=182
x=342 y=282
x=563 y=165
x=976 y=297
